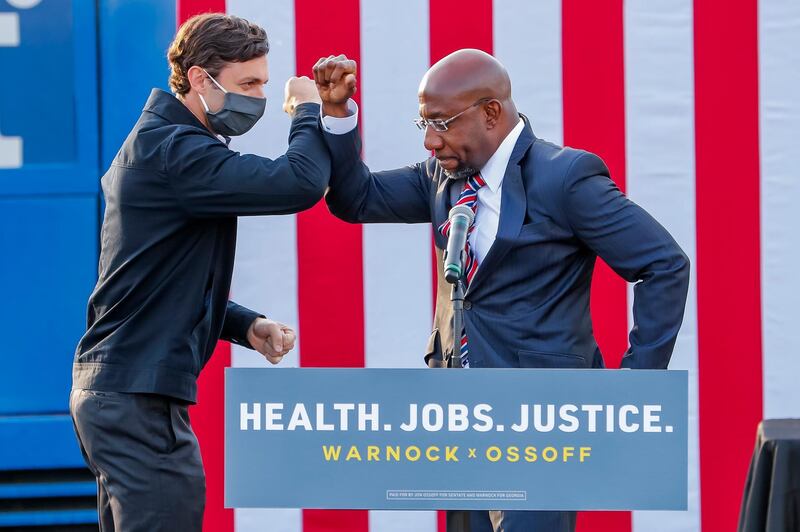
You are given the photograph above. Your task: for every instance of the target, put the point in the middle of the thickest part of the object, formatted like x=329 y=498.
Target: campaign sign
x=521 y=439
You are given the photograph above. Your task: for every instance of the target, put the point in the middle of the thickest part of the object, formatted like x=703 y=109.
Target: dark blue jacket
x=528 y=304
x=168 y=240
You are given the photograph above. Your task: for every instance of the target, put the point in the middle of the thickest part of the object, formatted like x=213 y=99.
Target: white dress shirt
x=489 y=196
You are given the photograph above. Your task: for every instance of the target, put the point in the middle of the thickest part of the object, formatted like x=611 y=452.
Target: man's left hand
x=297 y=91
x=271 y=338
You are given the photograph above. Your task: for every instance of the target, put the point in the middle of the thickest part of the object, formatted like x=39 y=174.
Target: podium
x=478 y=439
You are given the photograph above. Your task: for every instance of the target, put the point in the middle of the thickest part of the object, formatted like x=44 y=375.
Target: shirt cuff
x=237 y=323
x=340 y=126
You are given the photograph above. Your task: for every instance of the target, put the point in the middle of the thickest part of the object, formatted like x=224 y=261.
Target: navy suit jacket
x=528 y=304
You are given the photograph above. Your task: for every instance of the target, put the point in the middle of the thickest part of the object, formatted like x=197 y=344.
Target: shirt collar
x=495 y=168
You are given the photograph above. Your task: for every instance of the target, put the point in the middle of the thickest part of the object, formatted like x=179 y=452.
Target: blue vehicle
x=75 y=76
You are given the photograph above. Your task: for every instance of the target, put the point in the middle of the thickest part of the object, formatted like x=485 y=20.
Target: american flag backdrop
x=694 y=106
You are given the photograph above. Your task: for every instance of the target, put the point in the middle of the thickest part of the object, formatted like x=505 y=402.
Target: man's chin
x=462 y=172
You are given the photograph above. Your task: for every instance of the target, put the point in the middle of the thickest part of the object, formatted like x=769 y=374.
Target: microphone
x=460 y=218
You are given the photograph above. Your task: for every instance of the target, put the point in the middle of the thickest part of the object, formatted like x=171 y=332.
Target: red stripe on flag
x=208 y=422
x=329 y=252
x=456 y=24
x=594 y=120
x=441 y=521
x=728 y=246
x=189 y=8
x=208 y=416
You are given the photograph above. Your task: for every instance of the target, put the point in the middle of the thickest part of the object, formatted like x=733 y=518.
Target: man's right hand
x=298 y=91
x=335 y=77
x=271 y=338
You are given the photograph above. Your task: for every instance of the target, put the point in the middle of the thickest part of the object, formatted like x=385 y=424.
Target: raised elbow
x=341 y=208
x=679 y=271
x=683 y=265
x=310 y=187
x=316 y=191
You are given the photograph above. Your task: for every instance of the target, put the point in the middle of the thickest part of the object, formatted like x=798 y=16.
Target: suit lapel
x=513 y=206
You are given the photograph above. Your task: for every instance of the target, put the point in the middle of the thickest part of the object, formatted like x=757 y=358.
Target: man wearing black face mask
x=238 y=114
x=173 y=194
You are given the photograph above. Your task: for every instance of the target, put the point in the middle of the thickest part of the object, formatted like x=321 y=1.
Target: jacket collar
x=495 y=168
x=171 y=109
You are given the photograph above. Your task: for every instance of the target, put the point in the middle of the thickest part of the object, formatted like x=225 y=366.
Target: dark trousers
x=510 y=521
x=146 y=459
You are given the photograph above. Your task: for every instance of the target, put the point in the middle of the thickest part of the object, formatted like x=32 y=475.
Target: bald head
x=467 y=75
x=470 y=93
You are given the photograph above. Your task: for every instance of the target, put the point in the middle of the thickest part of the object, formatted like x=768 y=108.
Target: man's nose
x=433 y=139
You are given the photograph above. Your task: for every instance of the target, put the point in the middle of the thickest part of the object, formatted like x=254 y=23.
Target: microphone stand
x=457 y=299
x=461 y=217
x=458 y=520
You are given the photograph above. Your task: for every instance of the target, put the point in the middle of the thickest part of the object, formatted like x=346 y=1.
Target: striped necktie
x=468 y=197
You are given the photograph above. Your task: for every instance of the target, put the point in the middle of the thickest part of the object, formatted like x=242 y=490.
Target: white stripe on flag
x=527 y=40
x=659 y=86
x=397 y=258
x=400 y=521
x=265 y=275
x=265 y=279
x=779 y=110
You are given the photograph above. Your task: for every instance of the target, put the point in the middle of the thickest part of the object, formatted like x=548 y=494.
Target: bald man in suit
x=543 y=214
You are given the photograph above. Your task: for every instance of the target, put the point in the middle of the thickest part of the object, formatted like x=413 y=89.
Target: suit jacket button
x=467 y=305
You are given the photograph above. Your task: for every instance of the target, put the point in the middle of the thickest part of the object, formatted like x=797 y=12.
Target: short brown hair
x=210 y=41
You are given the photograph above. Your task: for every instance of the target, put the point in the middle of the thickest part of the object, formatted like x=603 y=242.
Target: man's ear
x=197 y=78
x=492 y=110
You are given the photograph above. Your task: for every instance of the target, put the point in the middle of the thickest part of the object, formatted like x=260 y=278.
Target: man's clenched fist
x=335 y=77
x=297 y=91
x=271 y=338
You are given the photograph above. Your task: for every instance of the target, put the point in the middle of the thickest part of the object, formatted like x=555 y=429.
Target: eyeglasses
x=440 y=124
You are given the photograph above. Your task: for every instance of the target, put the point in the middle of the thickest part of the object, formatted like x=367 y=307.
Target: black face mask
x=238 y=114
